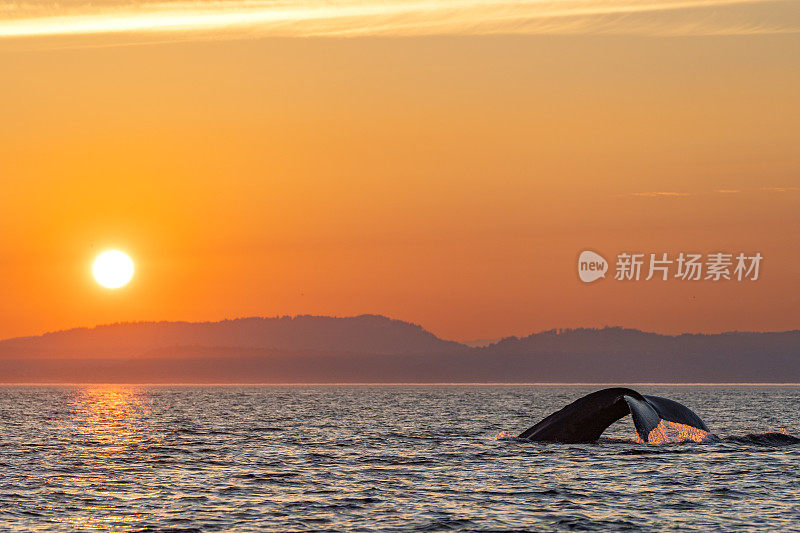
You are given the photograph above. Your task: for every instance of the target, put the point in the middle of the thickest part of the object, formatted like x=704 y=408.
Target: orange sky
x=446 y=179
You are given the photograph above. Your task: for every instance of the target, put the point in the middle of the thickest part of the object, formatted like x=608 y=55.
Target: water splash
x=673 y=432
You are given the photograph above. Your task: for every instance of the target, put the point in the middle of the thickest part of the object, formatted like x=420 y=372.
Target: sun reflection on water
x=106 y=433
x=107 y=416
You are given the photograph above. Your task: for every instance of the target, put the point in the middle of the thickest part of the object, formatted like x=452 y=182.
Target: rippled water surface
x=349 y=458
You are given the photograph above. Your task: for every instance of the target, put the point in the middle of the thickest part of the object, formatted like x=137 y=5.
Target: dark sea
x=391 y=458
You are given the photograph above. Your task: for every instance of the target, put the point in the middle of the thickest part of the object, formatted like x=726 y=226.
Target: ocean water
x=367 y=458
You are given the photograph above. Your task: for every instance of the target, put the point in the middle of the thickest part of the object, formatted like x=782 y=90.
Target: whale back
x=656 y=419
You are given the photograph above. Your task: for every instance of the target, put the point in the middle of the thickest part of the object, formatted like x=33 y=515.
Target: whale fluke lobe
x=660 y=420
x=657 y=420
x=585 y=419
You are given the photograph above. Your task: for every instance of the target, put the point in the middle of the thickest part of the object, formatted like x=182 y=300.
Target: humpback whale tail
x=657 y=420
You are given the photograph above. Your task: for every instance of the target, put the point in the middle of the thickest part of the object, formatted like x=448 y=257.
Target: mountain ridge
x=309 y=348
x=378 y=334
x=536 y=334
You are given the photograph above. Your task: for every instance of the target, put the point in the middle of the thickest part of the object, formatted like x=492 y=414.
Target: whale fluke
x=656 y=419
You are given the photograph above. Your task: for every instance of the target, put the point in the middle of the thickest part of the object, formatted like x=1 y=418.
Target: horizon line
x=400 y=383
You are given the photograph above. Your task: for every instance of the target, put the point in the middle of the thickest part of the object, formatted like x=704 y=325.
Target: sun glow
x=113 y=269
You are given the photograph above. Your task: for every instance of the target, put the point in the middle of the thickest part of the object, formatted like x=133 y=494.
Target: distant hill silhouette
x=619 y=354
x=372 y=348
x=366 y=333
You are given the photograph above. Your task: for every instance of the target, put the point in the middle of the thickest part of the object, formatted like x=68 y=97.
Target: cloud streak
x=661 y=194
x=780 y=189
x=675 y=194
x=353 y=18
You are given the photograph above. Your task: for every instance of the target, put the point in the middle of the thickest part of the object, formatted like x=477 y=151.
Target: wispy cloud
x=661 y=194
x=401 y=17
x=780 y=189
x=675 y=194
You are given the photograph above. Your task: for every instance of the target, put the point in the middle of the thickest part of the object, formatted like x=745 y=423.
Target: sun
x=113 y=269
